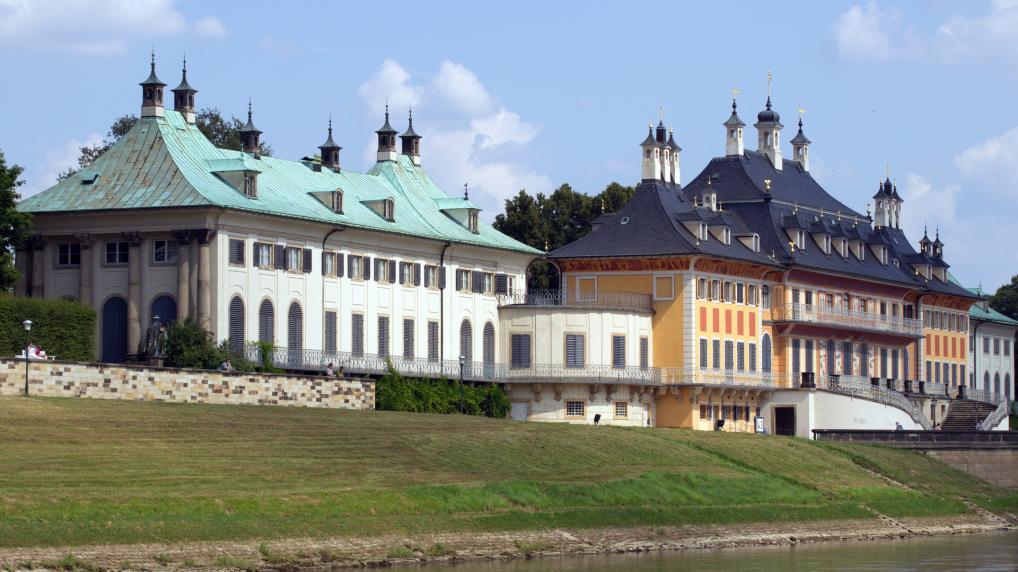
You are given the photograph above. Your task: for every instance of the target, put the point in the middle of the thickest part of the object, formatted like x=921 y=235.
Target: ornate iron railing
x=862 y=387
x=373 y=364
x=811 y=313
x=997 y=415
x=726 y=377
x=599 y=299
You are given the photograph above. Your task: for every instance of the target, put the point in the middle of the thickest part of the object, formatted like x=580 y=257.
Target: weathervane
x=466 y=191
x=770 y=77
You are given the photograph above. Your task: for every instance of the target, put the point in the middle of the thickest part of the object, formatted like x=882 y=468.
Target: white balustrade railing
x=997 y=415
x=726 y=377
x=849 y=318
x=862 y=387
x=606 y=299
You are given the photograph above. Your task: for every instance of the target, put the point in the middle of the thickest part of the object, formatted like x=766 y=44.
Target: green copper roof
x=164 y=162
x=976 y=312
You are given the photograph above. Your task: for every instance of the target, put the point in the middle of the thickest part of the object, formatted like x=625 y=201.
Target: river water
x=996 y=552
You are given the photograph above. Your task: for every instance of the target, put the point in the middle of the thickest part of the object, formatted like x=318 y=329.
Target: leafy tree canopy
x=548 y=222
x=15 y=226
x=1005 y=299
x=222 y=132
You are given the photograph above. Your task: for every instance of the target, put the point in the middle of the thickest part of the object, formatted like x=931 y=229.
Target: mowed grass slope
x=90 y=471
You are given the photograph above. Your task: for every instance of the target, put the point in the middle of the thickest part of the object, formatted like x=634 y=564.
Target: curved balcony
x=727 y=378
x=601 y=299
x=849 y=319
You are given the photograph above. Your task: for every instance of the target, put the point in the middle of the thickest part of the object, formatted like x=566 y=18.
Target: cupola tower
x=800 y=148
x=249 y=134
x=152 y=93
x=411 y=142
x=386 y=140
x=330 y=151
x=183 y=97
x=651 y=166
x=734 y=146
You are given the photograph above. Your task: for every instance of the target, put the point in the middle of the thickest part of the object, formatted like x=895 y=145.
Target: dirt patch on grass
x=295 y=554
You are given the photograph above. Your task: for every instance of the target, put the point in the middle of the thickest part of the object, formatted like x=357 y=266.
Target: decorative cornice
x=134 y=238
x=203 y=235
x=86 y=239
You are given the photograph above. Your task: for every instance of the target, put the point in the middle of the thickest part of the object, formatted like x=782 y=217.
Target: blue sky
x=533 y=95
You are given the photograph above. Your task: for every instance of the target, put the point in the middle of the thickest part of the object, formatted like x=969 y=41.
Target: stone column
x=37 y=244
x=85 y=269
x=21 y=265
x=134 y=240
x=204 y=237
x=183 y=273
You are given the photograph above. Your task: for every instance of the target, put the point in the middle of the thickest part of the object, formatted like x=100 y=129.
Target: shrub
x=393 y=392
x=188 y=345
x=62 y=328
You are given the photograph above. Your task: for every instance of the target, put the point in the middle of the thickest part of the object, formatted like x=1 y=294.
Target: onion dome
x=768 y=115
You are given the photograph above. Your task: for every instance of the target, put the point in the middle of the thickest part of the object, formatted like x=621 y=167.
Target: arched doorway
x=114 y=330
x=996 y=383
x=164 y=307
x=986 y=382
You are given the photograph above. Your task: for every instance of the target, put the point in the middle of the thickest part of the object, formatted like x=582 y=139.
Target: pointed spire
x=734 y=120
x=411 y=141
x=386 y=128
x=152 y=79
x=329 y=143
x=249 y=134
x=800 y=138
x=330 y=150
x=183 y=96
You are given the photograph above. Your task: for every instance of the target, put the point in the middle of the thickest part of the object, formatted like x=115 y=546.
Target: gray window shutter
x=324 y=256
x=501 y=284
x=266 y=322
x=383 y=336
x=703 y=353
x=392 y=272
x=644 y=353
x=488 y=349
x=716 y=349
x=618 y=351
x=339 y=264
x=295 y=328
x=280 y=262
x=254 y=253
x=729 y=355
x=427 y=278
x=307 y=260
x=366 y=265
x=417 y=274
x=478 y=282
x=237 y=325
x=357 y=334
x=433 y=341
x=466 y=341
x=330 y=332
x=752 y=357
x=408 y=338
x=236 y=251
x=441 y=278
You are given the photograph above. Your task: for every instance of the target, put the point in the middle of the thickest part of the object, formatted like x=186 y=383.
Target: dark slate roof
x=386 y=128
x=184 y=87
x=329 y=143
x=649 y=141
x=249 y=126
x=885 y=190
x=651 y=224
x=768 y=115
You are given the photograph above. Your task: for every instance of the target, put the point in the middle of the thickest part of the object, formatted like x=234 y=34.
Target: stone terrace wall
x=142 y=383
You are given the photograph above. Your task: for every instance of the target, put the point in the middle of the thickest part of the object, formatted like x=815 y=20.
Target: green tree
x=15 y=226
x=548 y=222
x=222 y=132
x=1005 y=299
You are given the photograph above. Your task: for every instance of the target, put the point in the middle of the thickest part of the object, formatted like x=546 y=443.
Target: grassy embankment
x=84 y=471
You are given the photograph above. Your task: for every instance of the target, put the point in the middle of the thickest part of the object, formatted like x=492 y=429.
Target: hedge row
x=393 y=392
x=62 y=328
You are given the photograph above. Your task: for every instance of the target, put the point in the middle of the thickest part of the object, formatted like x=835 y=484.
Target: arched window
x=164 y=307
x=466 y=341
x=765 y=352
x=266 y=322
x=237 y=326
x=996 y=383
x=114 y=330
x=986 y=381
x=489 y=344
x=295 y=327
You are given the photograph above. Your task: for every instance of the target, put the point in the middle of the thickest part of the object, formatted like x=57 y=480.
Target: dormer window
x=389 y=210
x=473 y=220
x=800 y=239
x=703 y=232
x=827 y=244
x=337 y=201
x=728 y=235
x=250 y=185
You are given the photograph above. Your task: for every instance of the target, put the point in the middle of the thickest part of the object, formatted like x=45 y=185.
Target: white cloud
x=210 y=28
x=390 y=84
x=466 y=139
x=460 y=88
x=58 y=160
x=994 y=162
x=963 y=37
x=867 y=33
x=928 y=205
x=93 y=26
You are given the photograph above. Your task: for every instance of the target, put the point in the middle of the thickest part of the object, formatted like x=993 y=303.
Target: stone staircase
x=965 y=414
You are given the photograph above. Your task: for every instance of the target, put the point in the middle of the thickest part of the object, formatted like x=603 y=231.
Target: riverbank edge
x=394 y=550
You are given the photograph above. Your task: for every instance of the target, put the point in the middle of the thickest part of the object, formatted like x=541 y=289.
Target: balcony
x=840 y=318
x=602 y=300
x=726 y=378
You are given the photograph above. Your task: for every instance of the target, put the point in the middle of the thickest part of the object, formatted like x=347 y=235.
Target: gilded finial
x=770 y=77
x=466 y=191
x=767 y=185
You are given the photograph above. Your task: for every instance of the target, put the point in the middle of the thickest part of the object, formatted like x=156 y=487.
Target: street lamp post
x=28 y=340
x=463 y=361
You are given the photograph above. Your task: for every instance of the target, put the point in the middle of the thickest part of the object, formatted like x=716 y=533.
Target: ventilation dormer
x=880 y=252
x=240 y=173
x=721 y=233
x=823 y=240
x=385 y=208
x=750 y=241
x=462 y=211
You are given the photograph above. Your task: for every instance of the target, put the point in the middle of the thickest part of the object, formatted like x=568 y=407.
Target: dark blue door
x=165 y=308
x=114 y=328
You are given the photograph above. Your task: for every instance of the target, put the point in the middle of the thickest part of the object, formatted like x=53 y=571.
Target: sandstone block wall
x=996 y=466
x=143 y=383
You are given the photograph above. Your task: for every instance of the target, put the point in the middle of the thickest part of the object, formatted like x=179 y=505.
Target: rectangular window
x=751 y=295
x=1007 y=347
x=701 y=288
x=703 y=353
x=69 y=255
x=740 y=356
x=406 y=273
x=432 y=341
x=236 y=251
x=727 y=294
x=381 y=270
x=618 y=352
x=164 y=251
x=740 y=292
x=262 y=255
x=355 y=266
x=574 y=350
x=716 y=352
x=846 y=358
x=293 y=259
x=330 y=332
x=996 y=346
x=796 y=364
x=929 y=370
x=463 y=280
x=519 y=351
x=729 y=355
x=357 y=334
x=408 y=338
x=644 y=353
x=576 y=408
x=809 y=355
x=751 y=358
x=986 y=344
x=809 y=297
x=430 y=276
x=954 y=374
x=383 y=336
x=715 y=290
x=621 y=409
x=329 y=263
x=116 y=253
